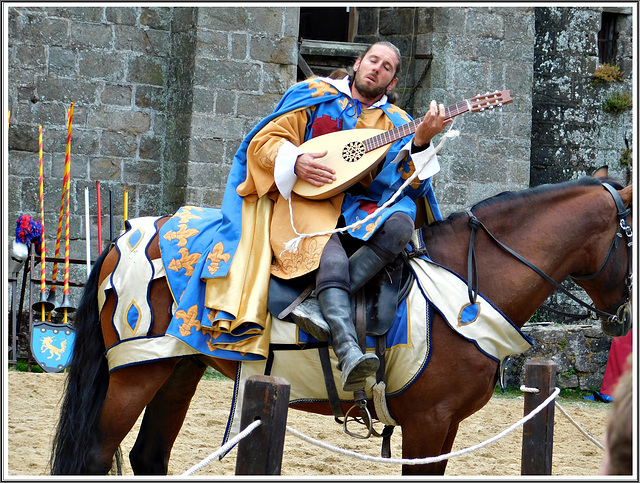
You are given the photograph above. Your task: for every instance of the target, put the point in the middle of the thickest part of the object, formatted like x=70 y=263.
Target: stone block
x=265 y=20
x=118 y=144
x=266 y=48
x=121 y=15
x=219 y=18
x=591 y=382
x=203 y=150
x=38 y=30
x=89 y=36
x=116 y=95
x=147 y=70
x=142 y=172
x=215 y=74
x=568 y=381
x=395 y=20
x=150 y=97
x=156 y=17
x=239 y=46
x=214 y=45
x=184 y=19
x=101 y=65
x=119 y=120
x=480 y=22
x=105 y=169
x=67 y=90
x=151 y=147
x=257 y=105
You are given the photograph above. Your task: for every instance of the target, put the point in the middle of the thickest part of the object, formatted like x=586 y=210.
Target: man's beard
x=369 y=92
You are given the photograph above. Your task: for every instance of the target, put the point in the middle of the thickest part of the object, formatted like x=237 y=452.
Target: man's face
x=375 y=72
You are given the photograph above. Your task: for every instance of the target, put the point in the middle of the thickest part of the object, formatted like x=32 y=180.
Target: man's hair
x=619 y=427
x=395 y=49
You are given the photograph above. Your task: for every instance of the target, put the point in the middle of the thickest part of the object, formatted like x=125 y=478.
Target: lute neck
x=409 y=128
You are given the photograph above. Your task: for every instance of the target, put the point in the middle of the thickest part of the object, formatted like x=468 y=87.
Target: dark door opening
x=324 y=23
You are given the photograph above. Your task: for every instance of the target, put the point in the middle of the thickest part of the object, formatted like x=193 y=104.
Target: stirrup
x=360 y=402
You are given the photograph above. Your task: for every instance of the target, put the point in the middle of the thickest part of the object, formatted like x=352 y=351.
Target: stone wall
x=163 y=96
x=580 y=352
x=572 y=134
x=454 y=54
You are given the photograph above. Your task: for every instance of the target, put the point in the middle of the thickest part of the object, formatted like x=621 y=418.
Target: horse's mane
x=531 y=193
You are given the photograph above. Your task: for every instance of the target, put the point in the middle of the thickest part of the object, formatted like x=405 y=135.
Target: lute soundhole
x=353 y=151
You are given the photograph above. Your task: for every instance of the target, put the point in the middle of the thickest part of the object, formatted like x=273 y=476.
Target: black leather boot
x=363 y=265
x=355 y=366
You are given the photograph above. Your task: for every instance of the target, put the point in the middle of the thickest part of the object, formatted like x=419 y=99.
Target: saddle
x=375 y=309
x=376 y=303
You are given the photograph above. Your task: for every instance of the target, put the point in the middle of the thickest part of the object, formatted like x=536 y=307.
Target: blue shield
x=52 y=345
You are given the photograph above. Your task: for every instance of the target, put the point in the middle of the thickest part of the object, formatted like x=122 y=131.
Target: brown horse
x=570 y=229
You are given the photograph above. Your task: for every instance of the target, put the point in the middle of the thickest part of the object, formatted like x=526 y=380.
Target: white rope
x=536 y=390
x=594 y=440
x=293 y=244
x=533 y=390
x=223 y=449
x=434 y=459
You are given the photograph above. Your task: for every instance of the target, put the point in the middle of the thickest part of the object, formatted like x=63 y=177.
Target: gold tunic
x=309 y=216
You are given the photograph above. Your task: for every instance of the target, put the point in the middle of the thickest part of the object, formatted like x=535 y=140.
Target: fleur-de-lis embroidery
x=407 y=169
x=371 y=227
x=322 y=88
x=396 y=110
x=216 y=256
x=186 y=261
x=185 y=215
x=181 y=235
x=190 y=319
x=343 y=103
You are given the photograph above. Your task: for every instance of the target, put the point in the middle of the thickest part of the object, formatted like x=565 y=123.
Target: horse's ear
x=601 y=172
x=627 y=195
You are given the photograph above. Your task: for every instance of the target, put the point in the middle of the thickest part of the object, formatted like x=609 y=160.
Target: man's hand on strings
x=312 y=171
x=432 y=124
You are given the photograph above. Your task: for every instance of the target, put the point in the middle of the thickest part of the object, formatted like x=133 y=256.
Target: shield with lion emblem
x=52 y=345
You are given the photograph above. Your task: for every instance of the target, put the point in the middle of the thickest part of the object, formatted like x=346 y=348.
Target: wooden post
x=265 y=398
x=537 y=433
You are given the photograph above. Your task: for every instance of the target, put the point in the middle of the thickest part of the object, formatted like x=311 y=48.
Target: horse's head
x=610 y=286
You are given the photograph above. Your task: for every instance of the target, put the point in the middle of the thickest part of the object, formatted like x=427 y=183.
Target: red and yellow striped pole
x=43 y=305
x=67 y=171
x=43 y=250
x=65 y=182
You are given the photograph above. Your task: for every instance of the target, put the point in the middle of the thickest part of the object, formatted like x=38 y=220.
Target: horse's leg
x=130 y=390
x=457 y=382
x=163 y=419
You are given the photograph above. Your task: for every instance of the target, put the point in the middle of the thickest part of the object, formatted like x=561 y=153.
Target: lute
x=356 y=152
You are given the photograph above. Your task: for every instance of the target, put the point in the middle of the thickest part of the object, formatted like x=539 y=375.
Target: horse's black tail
x=85 y=387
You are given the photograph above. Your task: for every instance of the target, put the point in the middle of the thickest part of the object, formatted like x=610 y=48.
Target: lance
x=87 y=230
x=99 y=207
x=66 y=306
x=126 y=207
x=65 y=182
x=110 y=216
x=43 y=305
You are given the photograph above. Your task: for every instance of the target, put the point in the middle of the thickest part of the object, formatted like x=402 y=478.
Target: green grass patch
x=21 y=366
x=565 y=393
x=212 y=375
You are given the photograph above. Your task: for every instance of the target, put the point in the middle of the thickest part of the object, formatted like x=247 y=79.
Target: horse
x=524 y=244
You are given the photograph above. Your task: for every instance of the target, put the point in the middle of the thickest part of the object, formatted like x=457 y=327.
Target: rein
x=614 y=314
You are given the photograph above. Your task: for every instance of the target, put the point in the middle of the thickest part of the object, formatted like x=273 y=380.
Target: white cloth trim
x=284 y=168
x=425 y=162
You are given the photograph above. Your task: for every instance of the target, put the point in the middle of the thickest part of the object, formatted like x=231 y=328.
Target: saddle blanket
x=408 y=342
x=293 y=354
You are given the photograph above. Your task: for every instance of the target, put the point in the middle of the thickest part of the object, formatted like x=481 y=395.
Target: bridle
x=616 y=314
